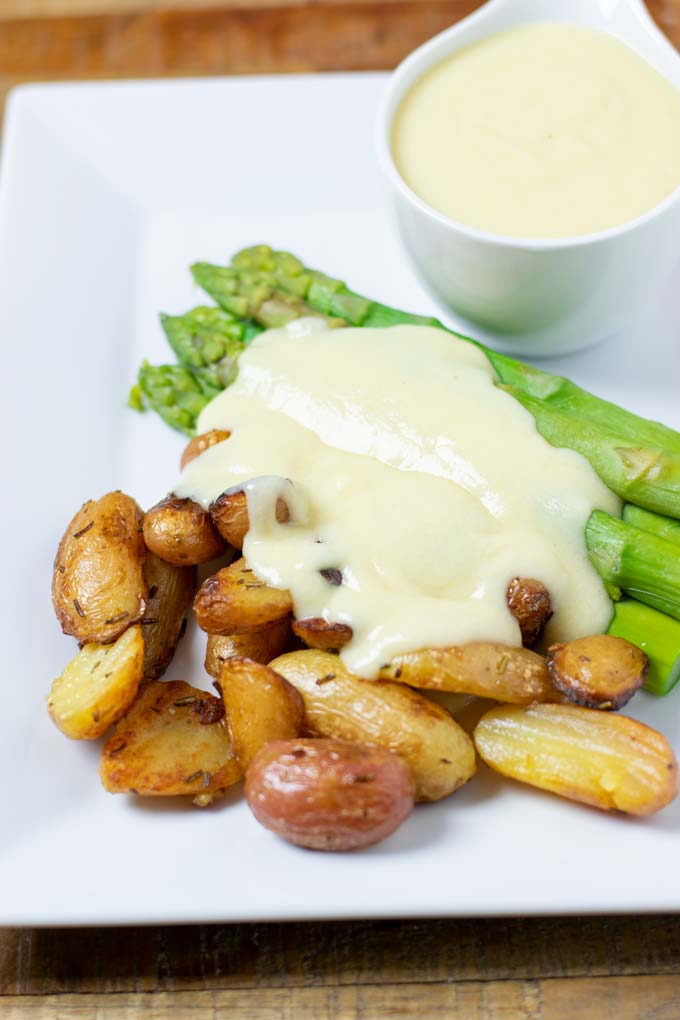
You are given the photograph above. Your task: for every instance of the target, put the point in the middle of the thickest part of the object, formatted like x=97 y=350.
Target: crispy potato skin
x=318 y=633
x=174 y=740
x=171 y=590
x=199 y=444
x=234 y=601
x=260 y=705
x=230 y=514
x=98 y=686
x=529 y=602
x=329 y=794
x=608 y=761
x=382 y=714
x=182 y=533
x=499 y=672
x=601 y=671
x=98 y=589
x=260 y=645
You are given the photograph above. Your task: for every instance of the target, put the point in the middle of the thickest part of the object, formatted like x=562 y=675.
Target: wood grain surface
x=560 y=969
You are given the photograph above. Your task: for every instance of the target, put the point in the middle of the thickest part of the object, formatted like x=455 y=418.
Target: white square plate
x=108 y=193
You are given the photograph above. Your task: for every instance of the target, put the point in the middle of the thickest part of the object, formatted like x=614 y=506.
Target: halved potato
x=235 y=601
x=319 y=633
x=391 y=715
x=171 y=590
x=261 y=706
x=182 y=532
x=260 y=645
x=601 y=671
x=230 y=514
x=609 y=761
x=487 y=670
x=174 y=740
x=199 y=444
x=98 y=588
x=98 y=686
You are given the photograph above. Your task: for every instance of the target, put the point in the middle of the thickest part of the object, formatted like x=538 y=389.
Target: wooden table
x=589 y=969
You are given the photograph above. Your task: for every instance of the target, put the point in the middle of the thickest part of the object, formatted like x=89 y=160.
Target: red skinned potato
x=329 y=794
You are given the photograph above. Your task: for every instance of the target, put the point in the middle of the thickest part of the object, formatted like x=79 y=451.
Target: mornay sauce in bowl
x=544 y=130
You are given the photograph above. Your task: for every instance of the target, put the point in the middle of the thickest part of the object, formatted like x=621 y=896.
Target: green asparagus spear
x=657 y=635
x=641 y=564
x=657 y=524
x=646 y=476
x=333 y=297
x=173 y=392
x=246 y=295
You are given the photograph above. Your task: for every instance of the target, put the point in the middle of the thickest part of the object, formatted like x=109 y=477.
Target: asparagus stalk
x=657 y=634
x=664 y=527
x=173 y=392
x=333 y=297
x=641 y=564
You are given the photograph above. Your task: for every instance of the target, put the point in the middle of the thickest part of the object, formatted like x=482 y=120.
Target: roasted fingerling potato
x=499 y=672
x=235 y=601
x=260 y=706
x=170 y=591
x=182 y=533
x=230 y=514
x=199 y=444
x=98 y=686
x=319 y=633
x=98 y=587
x=601 y=671
x=260 y=645
x=383 y=714
x=329 y=794
x=173 y=741
x=529 y=602
x=608 y=761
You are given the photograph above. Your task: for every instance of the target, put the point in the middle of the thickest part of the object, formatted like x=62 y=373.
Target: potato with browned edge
x=319 y=633
x=199 y=444
x=261 y=706
x=601 y=671
x=173 y=741
x=329 y=794
x=235 y=601
x=230 y=514
x=171 y=590
x=608 y=761
x=182 y=532
x=260 y=645
x=98 y=588
x=391 y=715
x=529 y=602
x=487 y=670
x=98 y=686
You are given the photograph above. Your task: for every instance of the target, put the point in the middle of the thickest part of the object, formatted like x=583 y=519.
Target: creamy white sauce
x=544 y=130
x=406 y=468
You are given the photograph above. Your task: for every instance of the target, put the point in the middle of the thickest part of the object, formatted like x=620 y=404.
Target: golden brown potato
x=261 y=706
x=329 y=794
x=230 y=514
x=182 y=533
x=174 y=740
x=234 y=601
x=171 y=590
x=260 y=645
x=390 y=715
x=98 y=686
x=499 y=672
x=609 y=761
x=318 y=633
x=199 y=444
x=601 y=671
x=98 y=588
x=529 y=602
